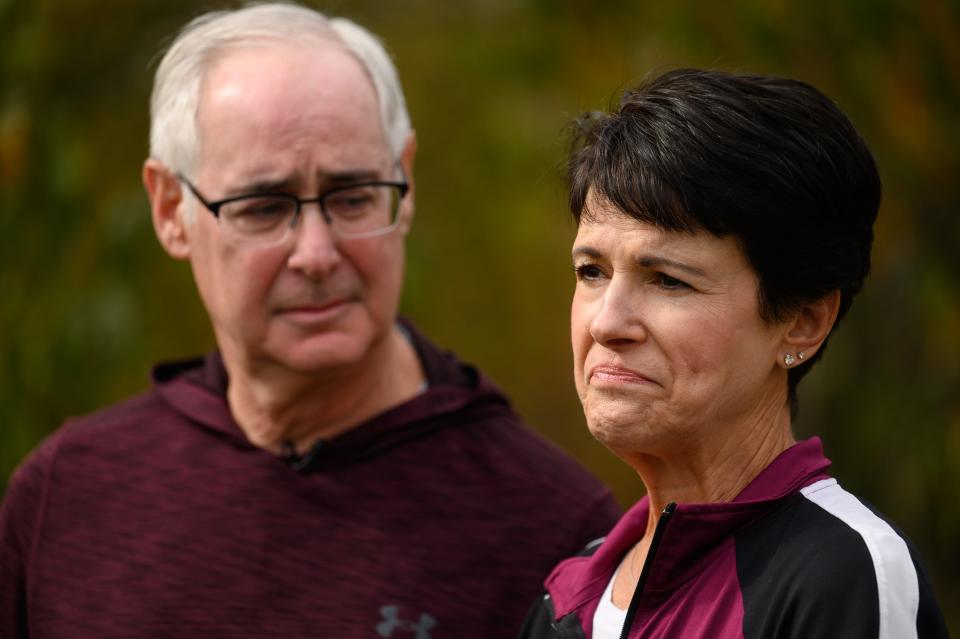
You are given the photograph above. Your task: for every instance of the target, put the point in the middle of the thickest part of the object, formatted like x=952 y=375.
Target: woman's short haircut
x=768 y=161
x=174 y=135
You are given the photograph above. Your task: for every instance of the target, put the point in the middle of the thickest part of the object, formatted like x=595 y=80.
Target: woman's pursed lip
x=609 y=373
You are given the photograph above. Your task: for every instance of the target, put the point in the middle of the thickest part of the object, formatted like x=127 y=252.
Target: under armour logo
x=392 y=621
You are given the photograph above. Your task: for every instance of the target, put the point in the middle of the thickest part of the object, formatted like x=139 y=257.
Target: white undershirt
x=608 y=619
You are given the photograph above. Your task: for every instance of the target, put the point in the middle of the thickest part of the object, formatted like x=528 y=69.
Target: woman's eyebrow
x=647 y=261
x=585 y=250
x=658 y=261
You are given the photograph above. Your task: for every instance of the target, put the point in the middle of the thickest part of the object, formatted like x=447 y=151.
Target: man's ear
x=407 y=157
x=163 y=190
x=810 y=326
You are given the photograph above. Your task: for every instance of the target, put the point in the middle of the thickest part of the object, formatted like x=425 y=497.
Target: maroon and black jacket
x=157 y=518
x=794 y=556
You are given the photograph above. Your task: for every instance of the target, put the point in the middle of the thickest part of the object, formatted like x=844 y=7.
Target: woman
x=724 y=227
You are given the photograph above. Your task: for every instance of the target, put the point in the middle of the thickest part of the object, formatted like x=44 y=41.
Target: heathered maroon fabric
x=156 y=518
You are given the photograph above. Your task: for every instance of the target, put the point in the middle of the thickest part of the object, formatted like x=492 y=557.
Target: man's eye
x=352 y=199
x=256 y=215
x=356 y=199
x=263 y=207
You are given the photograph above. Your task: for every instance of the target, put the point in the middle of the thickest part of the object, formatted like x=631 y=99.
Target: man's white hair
x=174 y=135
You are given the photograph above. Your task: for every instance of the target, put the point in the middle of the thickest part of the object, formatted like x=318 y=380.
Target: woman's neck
x=715 y=472
x=718 y=466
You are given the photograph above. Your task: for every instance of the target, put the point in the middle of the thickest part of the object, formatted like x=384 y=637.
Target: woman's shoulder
x=825 y=560
x=821 y=542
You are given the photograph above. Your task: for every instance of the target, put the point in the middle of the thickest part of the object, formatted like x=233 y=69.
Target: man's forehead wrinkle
x=315 y=78
x=262 y=180
x=289 y=108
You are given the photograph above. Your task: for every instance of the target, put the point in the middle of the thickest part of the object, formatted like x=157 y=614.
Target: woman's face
x=670 y=352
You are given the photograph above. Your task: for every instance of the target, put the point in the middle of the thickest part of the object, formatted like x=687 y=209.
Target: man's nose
x=315 y=251
x=619 y=316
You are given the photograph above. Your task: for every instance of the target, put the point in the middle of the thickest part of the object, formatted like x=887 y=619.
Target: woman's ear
x=809 y=328
x=165 y=195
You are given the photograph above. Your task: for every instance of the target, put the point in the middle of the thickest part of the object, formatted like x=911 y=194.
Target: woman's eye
x=587 y=272
x=671 y=283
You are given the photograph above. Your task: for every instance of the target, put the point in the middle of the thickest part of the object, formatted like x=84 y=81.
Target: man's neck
x=282 y=410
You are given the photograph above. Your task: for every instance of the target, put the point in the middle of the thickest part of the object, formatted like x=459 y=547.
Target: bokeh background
x=89 y=301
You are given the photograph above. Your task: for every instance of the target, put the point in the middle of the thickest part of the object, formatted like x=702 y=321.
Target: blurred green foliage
x=90 y=301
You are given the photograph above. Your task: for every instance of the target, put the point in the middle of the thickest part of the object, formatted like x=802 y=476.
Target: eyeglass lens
x=351 y=211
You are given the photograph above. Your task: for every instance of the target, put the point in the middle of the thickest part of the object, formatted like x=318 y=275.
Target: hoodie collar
x=197 y=390
x=695 y=532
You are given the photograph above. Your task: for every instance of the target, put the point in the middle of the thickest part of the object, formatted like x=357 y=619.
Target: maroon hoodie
x=157 y=518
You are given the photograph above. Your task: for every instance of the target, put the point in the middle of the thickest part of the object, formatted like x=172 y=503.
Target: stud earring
x=800 y=356
x=788 y=360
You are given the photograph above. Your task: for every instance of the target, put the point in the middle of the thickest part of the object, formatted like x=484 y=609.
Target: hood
x=695 y=532
x=197 y=390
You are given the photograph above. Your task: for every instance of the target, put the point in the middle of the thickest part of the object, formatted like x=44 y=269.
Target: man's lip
x=313 y=309
x=618 y=374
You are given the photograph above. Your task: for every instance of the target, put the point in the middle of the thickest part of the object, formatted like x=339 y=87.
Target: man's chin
x=317 y=359
x=323 y=352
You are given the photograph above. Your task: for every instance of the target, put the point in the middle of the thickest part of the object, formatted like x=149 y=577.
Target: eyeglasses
x=364 y=209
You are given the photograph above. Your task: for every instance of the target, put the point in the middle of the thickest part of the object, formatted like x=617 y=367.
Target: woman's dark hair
x=769 y=161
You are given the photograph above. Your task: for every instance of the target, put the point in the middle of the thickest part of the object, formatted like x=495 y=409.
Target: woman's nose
x=618 y=320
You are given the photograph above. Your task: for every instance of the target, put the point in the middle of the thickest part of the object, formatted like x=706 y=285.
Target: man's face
x=302 y=120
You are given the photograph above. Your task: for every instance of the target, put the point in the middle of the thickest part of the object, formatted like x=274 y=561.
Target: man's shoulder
x=94 y=432
x=178 y=386
x=500 y=435
x=137 y=410
x=528 y=473
x=482 y=424
x=104 y=431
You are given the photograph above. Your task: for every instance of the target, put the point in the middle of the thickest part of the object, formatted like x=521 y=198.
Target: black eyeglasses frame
x=214 y=207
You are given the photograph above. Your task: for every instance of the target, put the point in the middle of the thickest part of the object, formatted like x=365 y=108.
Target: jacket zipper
x=654 y=543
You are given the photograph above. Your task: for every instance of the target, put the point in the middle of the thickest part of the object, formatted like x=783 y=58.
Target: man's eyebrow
x=261 y=186
x=352 y=176
x=284 y=185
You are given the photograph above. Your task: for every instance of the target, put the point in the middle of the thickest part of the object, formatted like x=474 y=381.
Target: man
x=327 y=472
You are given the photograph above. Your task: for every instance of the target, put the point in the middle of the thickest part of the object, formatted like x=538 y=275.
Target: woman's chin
x=620 y=433
x=634 y=434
